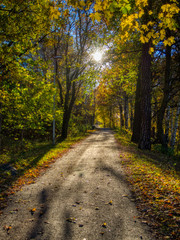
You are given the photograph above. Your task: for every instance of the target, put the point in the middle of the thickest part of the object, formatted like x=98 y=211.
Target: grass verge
x=22 y=167
x=155 y=181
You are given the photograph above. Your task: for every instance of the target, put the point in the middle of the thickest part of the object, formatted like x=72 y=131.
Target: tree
x=23 y=26
x=175 y=127
x=73 y=42
x=148 y=20
x=117 y=84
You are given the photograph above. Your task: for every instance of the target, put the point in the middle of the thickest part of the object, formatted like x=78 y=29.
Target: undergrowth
x=155 y=181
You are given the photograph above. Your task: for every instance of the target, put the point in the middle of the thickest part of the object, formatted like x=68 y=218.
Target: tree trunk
x=113 y=118
x=66 y=118
x=110 y=116
x=131 y=116
x=172 y=112
x=176 y=121
x=167 y=124
x=178 y=142
x=104 y=120
x=121 y=115
x=0 y=126
x=145 y=130
x=126 y=110
x=94 y=108
x=137 y=112
x=68 y=109
x=160 y=117
x=166 y=90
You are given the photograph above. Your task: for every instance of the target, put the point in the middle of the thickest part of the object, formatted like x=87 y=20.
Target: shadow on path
x=38 y=229
x=67 y=231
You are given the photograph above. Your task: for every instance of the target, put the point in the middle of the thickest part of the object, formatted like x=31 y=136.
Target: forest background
x=48 y=72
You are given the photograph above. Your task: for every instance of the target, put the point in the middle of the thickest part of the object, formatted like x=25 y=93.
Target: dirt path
x=83 y=196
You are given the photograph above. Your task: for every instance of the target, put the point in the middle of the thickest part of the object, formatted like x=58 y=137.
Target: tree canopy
x=136 y=84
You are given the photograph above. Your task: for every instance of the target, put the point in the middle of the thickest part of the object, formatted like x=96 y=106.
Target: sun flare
x=97 y=56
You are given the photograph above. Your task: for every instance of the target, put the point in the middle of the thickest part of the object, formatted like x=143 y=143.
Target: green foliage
x=159 y=148
x=27 y=100
x=78 y=129
x=124 y=132
x=22 y=25
x=26 y=88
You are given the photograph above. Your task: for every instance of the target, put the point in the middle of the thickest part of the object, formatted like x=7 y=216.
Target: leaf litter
x=156 y=190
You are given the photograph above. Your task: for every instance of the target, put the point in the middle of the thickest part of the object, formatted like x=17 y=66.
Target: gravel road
x=82 y=196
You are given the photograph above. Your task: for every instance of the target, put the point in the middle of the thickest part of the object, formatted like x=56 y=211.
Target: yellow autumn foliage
x=138 y=18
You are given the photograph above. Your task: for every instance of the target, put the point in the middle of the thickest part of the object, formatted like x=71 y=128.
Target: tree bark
x=0 y=125
x=145 y=130
x=66 y=118
x=166 y=91
x=172 y=113
x=94 y=109
x=68 y=108
x=126 y=110
x=175 y=127
x=110 y=116
x=167 y=124
x=121 y=115
x=137 y=112
x=131 y=116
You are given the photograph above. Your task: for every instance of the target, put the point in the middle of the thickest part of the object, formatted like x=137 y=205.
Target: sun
x=97 y=56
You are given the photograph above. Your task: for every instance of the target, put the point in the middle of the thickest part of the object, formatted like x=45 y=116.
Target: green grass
x=28 y=161
x=155 y=181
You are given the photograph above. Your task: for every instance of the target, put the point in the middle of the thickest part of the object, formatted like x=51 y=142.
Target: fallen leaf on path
x=30 y=220
x=33 y=210
x=104 y=225
x=145 y=222
x=46 y=222
x=7 y=228
x=71 y=220
x=109 y=203
x=124 y=195
x=14 y=211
